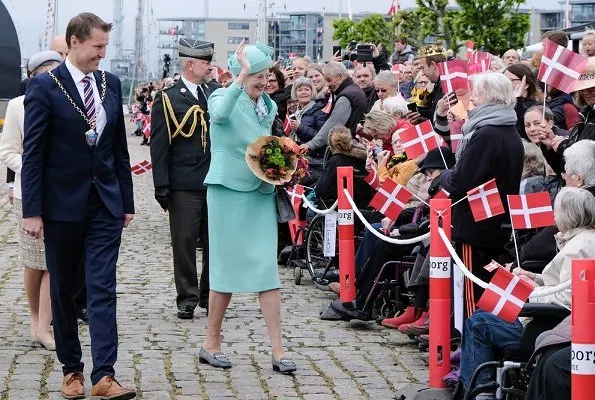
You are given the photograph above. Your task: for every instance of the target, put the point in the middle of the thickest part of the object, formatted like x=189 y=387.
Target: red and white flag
x=419 y=139
x=141 y=167
x=295 y=194
x=456 y=134
x=286 y=126
x=485 y=201
x=532 y=210
x=329 y=105
x=391 y=199
x=560 y=67
x=173 y=30
x=492 y=266
x=396 y=69
x=505 y=295
x=478 y=63
x=147 y=126
x=394 y=8
x=453 y=75
x=442 y=194
x=470 y=46
x=372 y=178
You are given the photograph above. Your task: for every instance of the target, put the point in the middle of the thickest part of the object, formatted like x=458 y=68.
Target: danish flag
x=560 y=67
x=532 y=210
x=394 y=8
x=505 y=295
x=485 y=201
x=372 y=178
x=480 y=62
x=391 y=199
x=456 y=134
x=453 y=75
x=419 y=139
x=141 y=167
x=147 y=126
x=492 y=266
x=295 y=194
x=442 y=194
x=286 y=126
x=329 y=105
x=470 y=46
x=172 y=31
x=396 y=69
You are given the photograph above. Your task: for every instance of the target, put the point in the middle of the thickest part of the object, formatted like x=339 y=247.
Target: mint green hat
x=259 y=57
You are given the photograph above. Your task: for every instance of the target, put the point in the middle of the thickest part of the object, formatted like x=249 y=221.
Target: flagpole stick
x=420 y=199
x=544 y=98
x=516 y=247
x=441 y=154
x=459 y=201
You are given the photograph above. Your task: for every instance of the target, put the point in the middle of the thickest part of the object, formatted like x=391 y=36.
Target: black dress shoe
x=186 y=312
x=349 y=314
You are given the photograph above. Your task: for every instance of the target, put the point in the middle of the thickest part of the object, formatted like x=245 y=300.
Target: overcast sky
x=30 y=15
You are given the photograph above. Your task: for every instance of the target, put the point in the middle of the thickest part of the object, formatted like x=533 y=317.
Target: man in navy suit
x=77 y=194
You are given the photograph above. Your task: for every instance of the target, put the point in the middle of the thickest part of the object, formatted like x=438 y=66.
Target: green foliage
x=373 y=28
x=429 y=19
x=494 y=24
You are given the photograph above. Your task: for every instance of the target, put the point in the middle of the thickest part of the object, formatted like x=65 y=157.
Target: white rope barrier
x=378 y=234
x=458 y=261
x=318 y=211
x=546 y=292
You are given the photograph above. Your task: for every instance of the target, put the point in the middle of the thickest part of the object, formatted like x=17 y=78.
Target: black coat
x=557 y=106
x=326 y=187
x=183 y=164
x=584 y=130
x=492 y=152
x=521 y=107
x=311 y=122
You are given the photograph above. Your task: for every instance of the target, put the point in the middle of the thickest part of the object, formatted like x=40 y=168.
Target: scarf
x=486 y=114
x=302 y=111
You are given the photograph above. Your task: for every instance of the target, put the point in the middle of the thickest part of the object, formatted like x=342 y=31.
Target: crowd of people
x=198 y=124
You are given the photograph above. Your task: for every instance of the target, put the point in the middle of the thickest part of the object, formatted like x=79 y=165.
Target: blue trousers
x=483 y=335
x=96 y=240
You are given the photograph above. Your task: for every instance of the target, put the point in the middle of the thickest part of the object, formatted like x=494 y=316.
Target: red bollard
x=346 y=234
x=440 y=281
x=583 y=334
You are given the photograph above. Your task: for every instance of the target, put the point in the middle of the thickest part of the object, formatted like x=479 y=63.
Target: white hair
x=335 y=69
x=302 y=81
x=495 y=88
x=394 y=105
x=386 y=77
x=580 y=159
x=574 y=208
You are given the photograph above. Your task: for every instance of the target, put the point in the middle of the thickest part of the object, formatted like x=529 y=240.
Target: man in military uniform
x=180 y=153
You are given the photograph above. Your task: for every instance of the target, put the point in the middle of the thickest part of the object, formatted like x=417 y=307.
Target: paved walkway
x=158 y=353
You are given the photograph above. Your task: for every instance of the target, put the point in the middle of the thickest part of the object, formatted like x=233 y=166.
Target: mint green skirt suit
x=241 y=207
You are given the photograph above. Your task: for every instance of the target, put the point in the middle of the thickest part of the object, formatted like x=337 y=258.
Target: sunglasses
x=381 y=90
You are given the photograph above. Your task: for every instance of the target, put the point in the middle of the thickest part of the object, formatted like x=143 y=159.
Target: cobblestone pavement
x=158 y=353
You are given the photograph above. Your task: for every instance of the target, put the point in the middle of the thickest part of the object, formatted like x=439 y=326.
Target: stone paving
x=158 y=353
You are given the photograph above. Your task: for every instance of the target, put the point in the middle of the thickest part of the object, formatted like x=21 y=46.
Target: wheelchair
x=512 y=372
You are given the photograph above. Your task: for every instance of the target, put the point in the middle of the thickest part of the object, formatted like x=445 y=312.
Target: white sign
x=330 y=234
x=459 y=299
x=345 y=217
x=440 y=267
x=582 y=358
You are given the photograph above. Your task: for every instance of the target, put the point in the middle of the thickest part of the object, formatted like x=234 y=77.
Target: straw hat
x=587 y=78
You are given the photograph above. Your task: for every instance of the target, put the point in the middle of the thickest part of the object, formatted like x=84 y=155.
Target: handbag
x=285 y=211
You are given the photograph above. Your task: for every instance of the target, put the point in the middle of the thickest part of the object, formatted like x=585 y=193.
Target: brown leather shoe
x=73 y=386
x=108 y=388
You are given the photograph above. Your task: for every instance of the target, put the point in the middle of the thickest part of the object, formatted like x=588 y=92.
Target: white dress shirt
x=77 y=77
x=193 y=87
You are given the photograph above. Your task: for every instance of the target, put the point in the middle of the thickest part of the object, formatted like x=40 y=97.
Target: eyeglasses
x=422 y=83
x=381 y=90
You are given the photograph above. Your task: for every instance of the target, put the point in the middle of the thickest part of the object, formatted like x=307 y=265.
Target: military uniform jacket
x=180 y=154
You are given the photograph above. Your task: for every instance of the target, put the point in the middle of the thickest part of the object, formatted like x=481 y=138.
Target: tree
x=494 y=24
x=433 y=20
x=373 y=28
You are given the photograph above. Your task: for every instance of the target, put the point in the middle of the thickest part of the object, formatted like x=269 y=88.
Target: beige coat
x=574 y=244
x=11 y=141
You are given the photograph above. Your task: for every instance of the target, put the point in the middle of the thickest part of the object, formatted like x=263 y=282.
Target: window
x=236 y=40
x=238 y=25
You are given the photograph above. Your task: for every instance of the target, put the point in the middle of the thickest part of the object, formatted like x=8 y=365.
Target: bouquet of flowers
x=276 y=160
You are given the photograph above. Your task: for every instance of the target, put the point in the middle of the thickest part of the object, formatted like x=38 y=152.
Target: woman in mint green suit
x=242 y=208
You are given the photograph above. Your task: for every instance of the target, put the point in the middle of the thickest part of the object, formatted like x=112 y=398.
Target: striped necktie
x=89 y=100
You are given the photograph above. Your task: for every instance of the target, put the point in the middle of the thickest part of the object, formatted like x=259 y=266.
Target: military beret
x=196 y=49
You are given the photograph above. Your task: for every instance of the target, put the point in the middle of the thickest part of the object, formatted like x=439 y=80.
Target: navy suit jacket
x=59 y=168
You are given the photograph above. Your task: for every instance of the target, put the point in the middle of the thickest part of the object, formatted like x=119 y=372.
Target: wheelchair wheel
x=315 y=258
x=297 y=275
